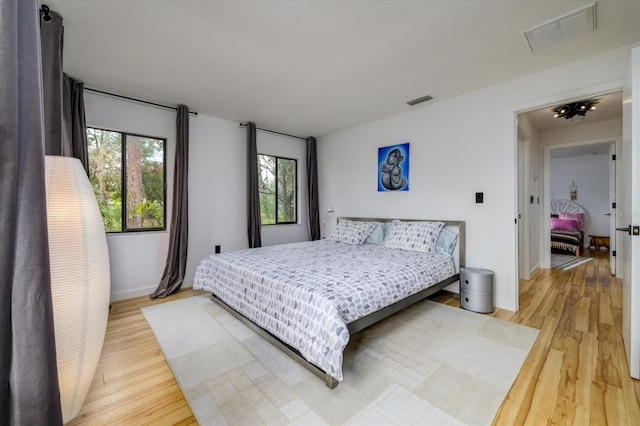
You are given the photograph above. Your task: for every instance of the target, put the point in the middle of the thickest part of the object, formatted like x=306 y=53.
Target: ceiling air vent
x=574 y=24
x=420 y=100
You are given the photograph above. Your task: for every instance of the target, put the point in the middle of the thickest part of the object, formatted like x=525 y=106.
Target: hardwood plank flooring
x=133 y=384
x=576 y=372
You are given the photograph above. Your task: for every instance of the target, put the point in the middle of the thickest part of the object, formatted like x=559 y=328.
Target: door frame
x=613 y=211
x=545 y=102
x=546 y=191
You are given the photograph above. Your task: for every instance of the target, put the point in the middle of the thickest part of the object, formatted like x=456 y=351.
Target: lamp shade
x=80 y=280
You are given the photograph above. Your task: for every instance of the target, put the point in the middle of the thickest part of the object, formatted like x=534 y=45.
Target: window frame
x=295 y=220
x=123 y=178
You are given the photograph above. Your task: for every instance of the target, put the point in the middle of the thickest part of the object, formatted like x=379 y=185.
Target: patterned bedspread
x=566 y=239
x=306 y=293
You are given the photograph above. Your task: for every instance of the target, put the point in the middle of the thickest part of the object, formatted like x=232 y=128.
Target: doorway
x=584 y=174
x=541 y=138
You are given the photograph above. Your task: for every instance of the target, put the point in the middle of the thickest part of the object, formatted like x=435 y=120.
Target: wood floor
x=576 y=372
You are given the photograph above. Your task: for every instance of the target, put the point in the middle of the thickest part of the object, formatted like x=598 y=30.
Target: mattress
x=306 y=293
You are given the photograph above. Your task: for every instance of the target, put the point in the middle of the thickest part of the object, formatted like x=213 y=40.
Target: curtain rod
x=277 y=133
x=135 y=100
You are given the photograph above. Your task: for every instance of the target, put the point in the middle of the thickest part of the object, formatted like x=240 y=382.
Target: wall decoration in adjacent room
x=393 y=168
x=573 y=191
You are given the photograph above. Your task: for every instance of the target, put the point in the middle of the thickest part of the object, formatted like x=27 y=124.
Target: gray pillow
x=446 y=243
x=377 y=235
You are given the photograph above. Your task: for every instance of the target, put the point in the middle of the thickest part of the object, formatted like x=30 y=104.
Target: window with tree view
x=128 y=178
x=277 y=183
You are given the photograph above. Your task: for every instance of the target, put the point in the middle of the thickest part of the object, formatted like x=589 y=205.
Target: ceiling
x=316 y=67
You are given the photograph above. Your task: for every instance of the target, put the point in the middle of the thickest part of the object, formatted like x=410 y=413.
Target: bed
x=569 y=222
x=308 y=298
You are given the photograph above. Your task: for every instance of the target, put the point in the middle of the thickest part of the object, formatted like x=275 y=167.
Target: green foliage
x=111 y=215
x=105 y=174
x=277 y=187
x=286 y=190
x=150 y=212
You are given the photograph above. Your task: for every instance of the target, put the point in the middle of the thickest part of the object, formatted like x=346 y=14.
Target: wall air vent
x=420 y=100
x=574 y=24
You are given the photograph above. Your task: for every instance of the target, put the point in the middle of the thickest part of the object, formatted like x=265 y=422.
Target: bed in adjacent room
x=569 y=222
x=308 y=298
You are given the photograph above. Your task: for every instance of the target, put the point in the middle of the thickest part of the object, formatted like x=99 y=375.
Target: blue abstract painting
x=393 y=168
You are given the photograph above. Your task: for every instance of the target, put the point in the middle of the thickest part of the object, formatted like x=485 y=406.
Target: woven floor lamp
x=80 y=280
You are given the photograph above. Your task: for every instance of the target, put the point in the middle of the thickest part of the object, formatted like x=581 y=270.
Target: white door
x=629 y=215
x=612 y=211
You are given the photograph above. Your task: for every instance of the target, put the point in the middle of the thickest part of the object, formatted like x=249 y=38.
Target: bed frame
x=368 y=320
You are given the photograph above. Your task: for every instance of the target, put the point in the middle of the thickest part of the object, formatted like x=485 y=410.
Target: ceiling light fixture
x=572 y=109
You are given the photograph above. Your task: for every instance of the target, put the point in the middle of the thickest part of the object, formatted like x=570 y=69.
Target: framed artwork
x=393 y=168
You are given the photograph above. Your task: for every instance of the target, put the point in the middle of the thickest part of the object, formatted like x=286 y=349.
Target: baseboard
x=145 y=291
x=534 y=269
x=503 y=303
x=130 y=294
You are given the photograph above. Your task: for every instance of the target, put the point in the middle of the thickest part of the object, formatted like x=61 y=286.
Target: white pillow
x=413 y=236
x=351 y=232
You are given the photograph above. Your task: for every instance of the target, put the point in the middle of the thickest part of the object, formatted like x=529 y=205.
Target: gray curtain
x=312 y=189
x=29 y=393
x=51 y=36
x=253 y=194
x=64 y=117
x=74 y=123
x=176 y=264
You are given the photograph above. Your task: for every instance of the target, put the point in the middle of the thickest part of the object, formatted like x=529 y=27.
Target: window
x=127 y=174
x=277 y=183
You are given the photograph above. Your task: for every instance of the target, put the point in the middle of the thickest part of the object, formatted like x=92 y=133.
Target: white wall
x=608 y=129
x=217 y=191
x=591 y=175
x=458 y=147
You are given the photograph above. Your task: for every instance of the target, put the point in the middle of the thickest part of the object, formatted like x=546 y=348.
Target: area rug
x=566 y=262
x=430 y=364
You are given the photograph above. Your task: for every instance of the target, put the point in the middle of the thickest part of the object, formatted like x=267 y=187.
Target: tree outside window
x=277 y=184
x=127 y=174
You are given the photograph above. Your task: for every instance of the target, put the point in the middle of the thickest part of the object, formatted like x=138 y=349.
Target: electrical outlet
x=479 y=197
x=217 y=249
